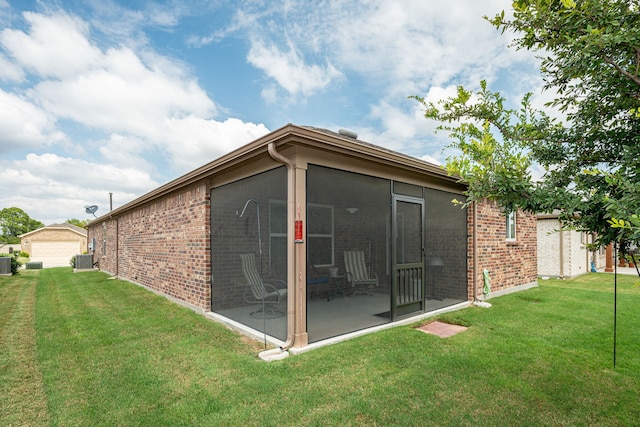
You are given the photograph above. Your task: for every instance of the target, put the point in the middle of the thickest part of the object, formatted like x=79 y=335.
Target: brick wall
x=510 y=263
x=164 y=245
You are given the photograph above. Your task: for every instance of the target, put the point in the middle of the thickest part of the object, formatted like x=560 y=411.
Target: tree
x=591 y=58
x=15 y=222
x=79 y=223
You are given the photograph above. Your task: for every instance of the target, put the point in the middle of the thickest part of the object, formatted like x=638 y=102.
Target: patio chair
x=357 y=274
x=258 y=291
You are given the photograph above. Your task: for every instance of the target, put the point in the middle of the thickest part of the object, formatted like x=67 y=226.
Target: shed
x=306 y=234
x=565 y=253
x=55 y=244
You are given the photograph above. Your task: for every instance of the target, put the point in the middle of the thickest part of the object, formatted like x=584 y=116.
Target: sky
x=122 y=96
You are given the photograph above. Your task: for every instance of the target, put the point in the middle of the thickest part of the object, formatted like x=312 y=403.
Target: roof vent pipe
x=348 y=133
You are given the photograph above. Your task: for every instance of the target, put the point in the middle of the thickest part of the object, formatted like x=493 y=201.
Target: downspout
x=291 y=213
x=561 y=253
x=475 y=250
x=117 y=272
x=586 y=247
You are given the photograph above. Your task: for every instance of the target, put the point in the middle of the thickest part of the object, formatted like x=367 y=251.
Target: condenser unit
x=5 y=266
x=84 y=262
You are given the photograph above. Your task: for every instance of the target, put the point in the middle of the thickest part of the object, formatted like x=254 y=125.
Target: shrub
x=72 y=262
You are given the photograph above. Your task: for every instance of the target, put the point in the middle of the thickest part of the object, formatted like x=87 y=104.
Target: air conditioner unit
x=84 y=262
x=5 y=266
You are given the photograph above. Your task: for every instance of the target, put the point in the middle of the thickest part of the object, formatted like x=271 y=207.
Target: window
x=320 y=234
x=511 y=225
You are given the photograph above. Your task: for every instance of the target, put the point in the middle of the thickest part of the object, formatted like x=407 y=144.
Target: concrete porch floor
x=325 y=319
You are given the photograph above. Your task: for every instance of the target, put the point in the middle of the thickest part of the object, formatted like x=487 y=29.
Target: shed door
x=54 y=254
x=408 y=255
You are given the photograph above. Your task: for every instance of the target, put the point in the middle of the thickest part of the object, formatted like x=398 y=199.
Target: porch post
x=609 y=259
x=301 y=337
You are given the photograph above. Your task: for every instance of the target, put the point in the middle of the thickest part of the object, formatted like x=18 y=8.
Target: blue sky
x=108 y=96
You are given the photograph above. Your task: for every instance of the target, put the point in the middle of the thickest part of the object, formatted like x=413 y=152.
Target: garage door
x=54 y=254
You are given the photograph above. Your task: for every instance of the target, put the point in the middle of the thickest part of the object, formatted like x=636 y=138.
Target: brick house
x=296 y=210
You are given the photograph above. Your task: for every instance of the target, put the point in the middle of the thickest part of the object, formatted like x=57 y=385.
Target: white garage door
x=54 y=254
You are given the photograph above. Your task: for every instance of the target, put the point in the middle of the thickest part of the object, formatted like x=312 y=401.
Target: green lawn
x=81 y=349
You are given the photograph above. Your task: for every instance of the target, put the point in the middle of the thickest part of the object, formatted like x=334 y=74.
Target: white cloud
x=403 y=46
x=393 y=49
x=51 y=168
x=56 y=46
x=436 y=160
x=288 y=68
x=10 y=72
x=145 y=101
x=186 y=142
x=23 y=125
x=50 y=188
x=193 y=141
x=405 y=127
x=123 y=95
x=126 y=152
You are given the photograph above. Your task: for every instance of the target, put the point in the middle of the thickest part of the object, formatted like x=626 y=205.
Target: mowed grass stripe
x=116 y=354
x=22 y=395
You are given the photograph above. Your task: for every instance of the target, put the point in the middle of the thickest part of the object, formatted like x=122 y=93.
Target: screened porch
x=376 y=249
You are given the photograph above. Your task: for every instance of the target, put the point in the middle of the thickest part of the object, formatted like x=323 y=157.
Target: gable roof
x=63 y=226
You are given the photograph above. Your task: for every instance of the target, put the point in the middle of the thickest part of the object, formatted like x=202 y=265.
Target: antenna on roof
x=91 y=209
x=348 y=133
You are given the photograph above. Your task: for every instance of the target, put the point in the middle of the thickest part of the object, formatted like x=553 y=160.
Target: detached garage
x=55 y=244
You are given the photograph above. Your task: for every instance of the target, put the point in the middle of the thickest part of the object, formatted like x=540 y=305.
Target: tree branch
x=609 y=60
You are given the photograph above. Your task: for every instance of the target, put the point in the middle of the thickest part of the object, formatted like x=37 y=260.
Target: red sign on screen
x=298 y=236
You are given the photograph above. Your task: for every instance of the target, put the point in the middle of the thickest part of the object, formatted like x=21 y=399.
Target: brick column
x=609 y=262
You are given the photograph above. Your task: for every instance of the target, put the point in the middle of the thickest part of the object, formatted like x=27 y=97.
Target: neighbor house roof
x=63 y=226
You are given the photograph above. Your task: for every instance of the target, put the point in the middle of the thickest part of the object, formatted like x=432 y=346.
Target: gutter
x=291 y=275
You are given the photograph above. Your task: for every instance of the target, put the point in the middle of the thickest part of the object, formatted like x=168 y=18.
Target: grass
x=81 y=349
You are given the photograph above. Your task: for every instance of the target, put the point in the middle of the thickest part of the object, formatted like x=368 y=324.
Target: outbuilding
x=307 y=234
x=55 y=244
x=566 y=253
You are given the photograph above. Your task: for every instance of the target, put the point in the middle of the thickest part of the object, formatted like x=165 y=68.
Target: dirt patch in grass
x=441 y=329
